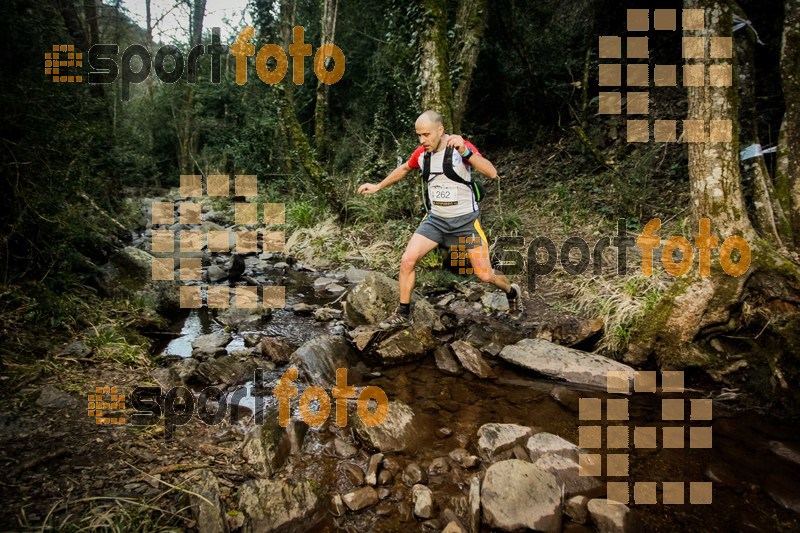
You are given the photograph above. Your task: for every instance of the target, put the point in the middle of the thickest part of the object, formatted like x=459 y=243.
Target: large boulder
x=494 y=439
x=209 y=517
x=282 y=504
x=610 y=516
x=557 y=361
x=129 y=274
x=518 y=495
x=224 y=370
x=319 y=358
x=377 y=296
x=267 y=446
x=396 y=433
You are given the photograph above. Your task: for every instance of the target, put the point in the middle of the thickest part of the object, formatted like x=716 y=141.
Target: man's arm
x=478 y=162
x=393 y=177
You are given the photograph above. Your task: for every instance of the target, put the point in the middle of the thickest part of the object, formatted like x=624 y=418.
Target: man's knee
x=486 y=275
x=408 y=261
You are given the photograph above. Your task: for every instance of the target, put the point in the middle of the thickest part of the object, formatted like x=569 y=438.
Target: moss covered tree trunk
x=788 y=169
x=330 y=10
x=434 y=72
x=703 y=317
x=470 y=23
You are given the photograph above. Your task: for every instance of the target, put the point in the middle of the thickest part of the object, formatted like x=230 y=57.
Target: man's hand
x=368 y=188
x=457 y=142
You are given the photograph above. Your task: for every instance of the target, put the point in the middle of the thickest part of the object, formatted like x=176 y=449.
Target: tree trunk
x=187 y=136
x=788 y=168
x=758 y=187
x=330 y=10
x=471 y=23
x=434 y=72
x=695 y=321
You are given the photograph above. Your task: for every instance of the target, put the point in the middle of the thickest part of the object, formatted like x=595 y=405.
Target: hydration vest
x=477 y=188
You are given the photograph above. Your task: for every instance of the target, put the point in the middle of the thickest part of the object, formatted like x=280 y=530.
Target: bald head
x=434 y=118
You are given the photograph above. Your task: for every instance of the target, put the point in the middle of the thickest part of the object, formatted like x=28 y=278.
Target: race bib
x=443 y=193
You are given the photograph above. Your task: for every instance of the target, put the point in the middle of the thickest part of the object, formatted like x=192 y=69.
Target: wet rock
x=385 y=477
x=355 y=275
x=226 y=370
x=353 y=473
x=384 y=509
x=276 y=350
x=184 y=370
x=324 y=314
x=472 y=359
x=609 y=516
x=404 y=511
x=372 y=469
x=376 y=297
x=452 y=527
x=237 y=318
x=335 y=288
x=564 y=363
x=517 y=495
x=281 y=504
x=391 y=465
x=414 y=474
x=383 y=492
x=566 y=397
x=446 y=362
x=568 y=475
x=344 y=449
x=782 y=488
x=576 y=509
x=546 y=443
x=209 y=517
x=492 y=349
x=281 y=264
x=215 y=273
x=493 y=439
x=405 y=345
x=52 y=398
x=438 y=466
x=267 y=446
x=396 y=433
x=571 y=330
x=218 y=339
x=302 y=309
x=337 y=506
x=360 y=498
x=252 y=340
x=322 y=283
x=423 y=501
x=319 y=358
x=786 y=451
x=495 y=300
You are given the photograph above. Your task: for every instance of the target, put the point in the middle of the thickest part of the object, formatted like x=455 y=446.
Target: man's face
x=429 y=134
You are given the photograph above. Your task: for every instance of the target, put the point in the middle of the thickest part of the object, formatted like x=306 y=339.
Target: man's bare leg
x=417 y=247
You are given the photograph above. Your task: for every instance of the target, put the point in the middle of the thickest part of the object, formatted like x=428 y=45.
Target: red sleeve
x=413 y=161
x=472 y=149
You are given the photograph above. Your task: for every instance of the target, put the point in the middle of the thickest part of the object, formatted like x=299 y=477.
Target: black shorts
x=448 y=232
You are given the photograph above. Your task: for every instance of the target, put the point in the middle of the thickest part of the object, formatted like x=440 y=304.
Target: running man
x=453 y=210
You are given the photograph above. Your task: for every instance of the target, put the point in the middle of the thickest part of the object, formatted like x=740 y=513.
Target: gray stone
x=335 y=288
x=493 y=439
x=353 y=473
x=576 y=509
x=209 y=517
x=281 y=264
x=276 y=350
x=372 y=469
x=546 y=443
x=609 y=516
x=423 y=501
x=438 y=466
x=360 y=498
x=319 y=358
x=324 y=314
x=518 y=495
x=244 y=318
x=76 y=349
x=446 y=362
x=218 y=339
x=252 y=339
x=52 y=398
x=568 y=475
x=355 y=275
x=474 y=518
x=496 y=301
x=323 y=282
x=267 y=446
x=344 y=449
x=170 y=377
x=564 y=363
x=414 y=474
x=396 y=433
x=227 y=370
x=282 y=504
x=470 y=357
x=216 y=273
x=405 y=345
x=302 y=309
